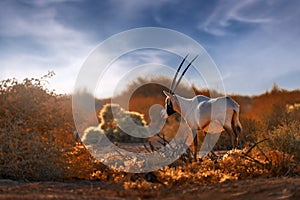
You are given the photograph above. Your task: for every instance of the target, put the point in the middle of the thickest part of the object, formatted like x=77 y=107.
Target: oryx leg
x=209 y=141
x=236 y=136
x=195 y=143
x=207 y=135
x=231 y=134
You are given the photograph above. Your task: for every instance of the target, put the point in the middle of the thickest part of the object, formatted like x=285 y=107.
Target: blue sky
x=254 y=43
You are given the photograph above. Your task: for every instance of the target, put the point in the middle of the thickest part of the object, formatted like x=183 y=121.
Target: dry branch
x=247 y=156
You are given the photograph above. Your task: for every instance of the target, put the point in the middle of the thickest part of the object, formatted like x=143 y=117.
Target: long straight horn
x=184 y=73
x=173 y=82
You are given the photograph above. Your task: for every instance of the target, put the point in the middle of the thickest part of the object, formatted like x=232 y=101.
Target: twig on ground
x=151 y=147
x=249 y=150
x=147 y=149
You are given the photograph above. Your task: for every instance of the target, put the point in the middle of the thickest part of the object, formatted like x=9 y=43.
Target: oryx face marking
x=169 y=107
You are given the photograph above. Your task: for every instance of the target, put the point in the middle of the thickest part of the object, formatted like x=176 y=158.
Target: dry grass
x=37 y=143
x=236 y=165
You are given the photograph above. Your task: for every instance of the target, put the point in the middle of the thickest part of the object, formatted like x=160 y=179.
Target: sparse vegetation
x=38 y=141
x=286 y=138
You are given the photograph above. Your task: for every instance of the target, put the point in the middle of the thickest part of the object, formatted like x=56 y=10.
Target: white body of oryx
x=208 y=114
x=212 y=115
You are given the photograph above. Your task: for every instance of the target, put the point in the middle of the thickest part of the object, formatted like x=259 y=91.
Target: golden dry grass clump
x=233 y=166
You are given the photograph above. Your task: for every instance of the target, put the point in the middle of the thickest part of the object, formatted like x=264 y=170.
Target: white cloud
x=225 y=12
x=57 y=47
x=34 y=40
x=254 y=62
x=131 y=9
x=127 y=68
x=43 y=3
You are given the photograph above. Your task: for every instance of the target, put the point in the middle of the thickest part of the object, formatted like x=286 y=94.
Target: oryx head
x=171 y=102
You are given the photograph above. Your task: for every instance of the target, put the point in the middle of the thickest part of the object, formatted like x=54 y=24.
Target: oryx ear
x=168 y=94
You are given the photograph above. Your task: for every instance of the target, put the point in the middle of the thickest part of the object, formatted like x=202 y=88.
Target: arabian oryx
x=212 y=115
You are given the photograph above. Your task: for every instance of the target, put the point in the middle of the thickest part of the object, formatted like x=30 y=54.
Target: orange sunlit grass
x=39 y=141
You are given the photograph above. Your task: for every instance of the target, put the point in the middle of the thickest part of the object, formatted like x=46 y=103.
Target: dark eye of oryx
x=170 y=109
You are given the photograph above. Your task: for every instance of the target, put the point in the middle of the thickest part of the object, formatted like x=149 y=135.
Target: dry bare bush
x=283 y=149
x=36 y=133
x=286 y=138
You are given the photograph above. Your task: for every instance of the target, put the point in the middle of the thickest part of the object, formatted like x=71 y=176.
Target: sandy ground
x=258 y=189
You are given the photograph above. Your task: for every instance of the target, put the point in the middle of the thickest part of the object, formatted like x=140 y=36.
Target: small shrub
x=92 y=135
x=286 y=138
x=116 y=122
